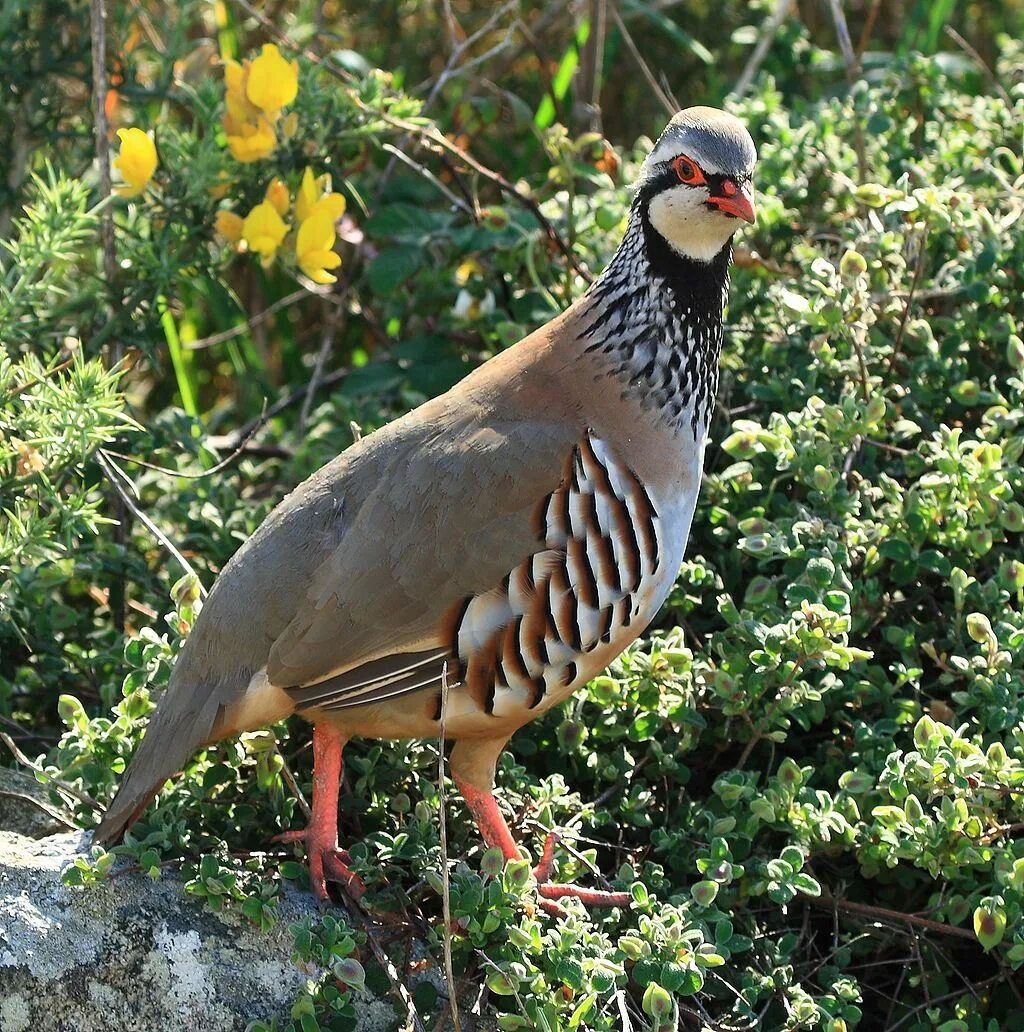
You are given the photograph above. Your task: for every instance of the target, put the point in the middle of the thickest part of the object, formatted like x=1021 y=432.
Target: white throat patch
x=690 y=228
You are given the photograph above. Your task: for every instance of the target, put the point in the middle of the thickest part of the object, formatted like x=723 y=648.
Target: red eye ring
x=687 y=171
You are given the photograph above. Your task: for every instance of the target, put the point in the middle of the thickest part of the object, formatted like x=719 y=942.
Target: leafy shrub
x=808 y=774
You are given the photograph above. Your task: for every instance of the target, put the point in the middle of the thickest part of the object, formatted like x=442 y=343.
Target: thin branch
x=883 y=914
x=285 y=40
x=869 y=27
x=231 y=440
x=764 y=42
x=429 y=176
x=591 y=66
x=101 y=133
x=50 y=811
x=330 y=329
x=61 y=786
x=652 y=82
x=432 y=135
x=620 y=1000
x=114 y=473
x=942 y=999
x=250 y=323
x=852 y=75
x=918 y=271
x=293 y=785
x=446 y=903
x=224 y=463
x=980 y=62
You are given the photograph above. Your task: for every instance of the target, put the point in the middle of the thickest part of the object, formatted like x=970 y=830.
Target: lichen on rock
x=130 y=953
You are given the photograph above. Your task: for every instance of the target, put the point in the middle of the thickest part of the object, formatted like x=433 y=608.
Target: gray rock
x=131 y=954
x=26 y=806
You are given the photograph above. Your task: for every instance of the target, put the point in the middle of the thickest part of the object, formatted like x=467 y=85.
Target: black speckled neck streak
x=655 y=319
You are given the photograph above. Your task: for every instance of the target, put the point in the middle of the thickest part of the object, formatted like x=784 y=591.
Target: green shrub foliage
x=808 y=773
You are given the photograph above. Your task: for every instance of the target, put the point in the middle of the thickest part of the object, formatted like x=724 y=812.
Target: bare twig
x=453 y=67
x=429 y=176
x=869 y=27
x=50 y=811
x=942 y=999
x=980 y=62
x=883 y=914
x=243 y=432
x=432 y=135
x=1004 y=829
x=620 y=1000
x=61 y=786
x=591 y=66
x=852 y=75
x=101 y=130
x=286 y=41
x=330 y=329
x=918 y=272
x=225 y=462
x=293 y=785
x=413 y=1020
x=446 y=903
x=663 y=98
x=115 y=474
x=764 y=42
x=250 y=323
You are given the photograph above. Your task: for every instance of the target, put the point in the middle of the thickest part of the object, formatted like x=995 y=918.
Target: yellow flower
x=263 y=230
x=229 y=226
x=136 y=161
x=220 y=188
x=310 y=200
x=239 y=110
x=467 y=270
x=277 y=195
x=273 y=82
x=251 y=141
x=313 y=247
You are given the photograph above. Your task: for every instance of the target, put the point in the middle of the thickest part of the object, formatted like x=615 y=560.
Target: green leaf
x=392 y=267
x=989 y=926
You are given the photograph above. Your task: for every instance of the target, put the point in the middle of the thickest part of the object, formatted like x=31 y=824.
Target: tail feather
x=171 y=738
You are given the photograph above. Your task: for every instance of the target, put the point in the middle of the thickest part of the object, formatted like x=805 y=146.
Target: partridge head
x=476 y=561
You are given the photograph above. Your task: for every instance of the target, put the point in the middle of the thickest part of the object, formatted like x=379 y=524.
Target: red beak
x=735 y=200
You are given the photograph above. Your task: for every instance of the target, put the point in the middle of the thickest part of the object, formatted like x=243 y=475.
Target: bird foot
x=327 y=862
x=552 y=891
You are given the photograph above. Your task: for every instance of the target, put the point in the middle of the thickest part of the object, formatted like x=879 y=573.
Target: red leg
x=326 y=861
x=495 y=832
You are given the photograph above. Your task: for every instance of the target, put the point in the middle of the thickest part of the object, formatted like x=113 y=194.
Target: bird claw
x=291 y=836
x=550 y=891
x=327 y=862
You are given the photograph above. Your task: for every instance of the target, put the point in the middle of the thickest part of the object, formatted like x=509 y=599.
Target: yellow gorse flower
x=252 y=141
x=254 y=93
x=277 y=195
x=317 y=209
x=136 y=161
x=308 y=195
x=263 y=230
x=313 y=247
x=273 y=81
x=229 y=226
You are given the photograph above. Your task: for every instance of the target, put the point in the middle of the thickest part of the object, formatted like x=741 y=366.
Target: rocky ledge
x=132 y=954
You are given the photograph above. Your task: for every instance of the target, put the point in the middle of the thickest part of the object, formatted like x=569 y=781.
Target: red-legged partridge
x=518 y=532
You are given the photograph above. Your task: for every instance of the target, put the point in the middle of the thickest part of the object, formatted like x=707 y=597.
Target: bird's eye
x=687 y=171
